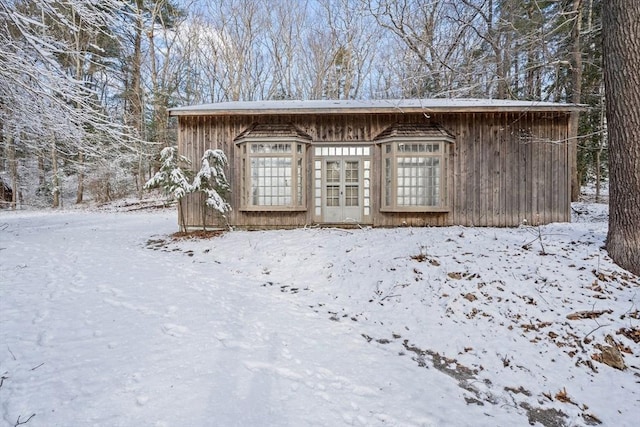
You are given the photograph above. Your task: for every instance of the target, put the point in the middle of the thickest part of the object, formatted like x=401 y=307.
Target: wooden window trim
x=294 y=155
x=433 y=209
x=444 y=156
x=274 y=208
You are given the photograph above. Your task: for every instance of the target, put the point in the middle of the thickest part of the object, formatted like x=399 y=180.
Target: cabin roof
x=408 y=130
x=282 y=130
x=440 y=105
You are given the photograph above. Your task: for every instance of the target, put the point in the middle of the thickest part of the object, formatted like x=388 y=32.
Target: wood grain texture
x=503 y=167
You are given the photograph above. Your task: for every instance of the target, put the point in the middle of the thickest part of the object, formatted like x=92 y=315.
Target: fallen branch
x=11 y=352
x=19 y=423
x=34 y=368
x=599 y=326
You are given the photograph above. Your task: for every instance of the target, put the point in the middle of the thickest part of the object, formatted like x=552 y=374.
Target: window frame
x=389 y=165
x=298 y=167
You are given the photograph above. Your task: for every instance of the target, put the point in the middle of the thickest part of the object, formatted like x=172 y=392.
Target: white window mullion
x=414 y=175
x=274 y=175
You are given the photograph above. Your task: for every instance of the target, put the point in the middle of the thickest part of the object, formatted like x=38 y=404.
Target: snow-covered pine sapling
x=212 y=182
x=173 y=178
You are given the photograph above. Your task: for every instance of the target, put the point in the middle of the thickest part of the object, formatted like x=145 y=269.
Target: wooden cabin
x=384 y=163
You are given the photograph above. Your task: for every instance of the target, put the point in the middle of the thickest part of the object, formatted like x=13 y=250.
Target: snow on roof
x=466 y=105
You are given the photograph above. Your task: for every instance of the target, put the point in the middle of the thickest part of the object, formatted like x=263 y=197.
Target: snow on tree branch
x=211 y=180
x=172 y=178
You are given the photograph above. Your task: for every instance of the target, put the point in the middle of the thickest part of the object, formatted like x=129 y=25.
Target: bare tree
x=445 y=45
x=164 y=22
x=238 y=54
x=80 y=79
x=352 y=40
x=285 y=43
x=48 y=51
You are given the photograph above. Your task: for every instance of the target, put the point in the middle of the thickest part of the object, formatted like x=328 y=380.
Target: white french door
x=342 y=192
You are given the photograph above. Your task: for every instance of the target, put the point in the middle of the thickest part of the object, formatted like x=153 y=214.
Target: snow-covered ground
x=107 y=320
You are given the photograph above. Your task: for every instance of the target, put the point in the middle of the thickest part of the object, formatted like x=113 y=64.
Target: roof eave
x=561 y=108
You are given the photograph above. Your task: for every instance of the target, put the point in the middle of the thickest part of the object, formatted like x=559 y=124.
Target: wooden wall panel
x=512 y=180
x=503 y=167
x=474 y=165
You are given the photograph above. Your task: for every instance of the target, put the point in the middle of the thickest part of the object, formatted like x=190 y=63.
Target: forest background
x=85 y=85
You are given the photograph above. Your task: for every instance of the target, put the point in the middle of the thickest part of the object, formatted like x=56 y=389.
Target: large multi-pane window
x=273 y=174
x=414 y=175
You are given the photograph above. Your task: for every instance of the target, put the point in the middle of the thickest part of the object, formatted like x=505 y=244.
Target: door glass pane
x=333 y=171
x=333 y=195
x=351 y=195
x=351 y=172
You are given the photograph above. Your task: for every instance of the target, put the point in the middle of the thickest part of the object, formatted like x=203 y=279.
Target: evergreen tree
x=173 y=178
x=212 y=182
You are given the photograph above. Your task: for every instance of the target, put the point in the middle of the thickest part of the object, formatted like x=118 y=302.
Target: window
x=414 y=175
x=273 y=175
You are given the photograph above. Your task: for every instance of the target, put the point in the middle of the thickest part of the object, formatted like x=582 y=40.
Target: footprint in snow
x=44 y=338
x=40 y=316
x=175 y=330
x=228 y=342
x=171 y=311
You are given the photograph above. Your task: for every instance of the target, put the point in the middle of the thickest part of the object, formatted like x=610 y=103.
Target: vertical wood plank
x=496 y=175
x=522 y=171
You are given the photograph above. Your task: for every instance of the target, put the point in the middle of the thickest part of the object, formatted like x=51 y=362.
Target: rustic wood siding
x=502 y=169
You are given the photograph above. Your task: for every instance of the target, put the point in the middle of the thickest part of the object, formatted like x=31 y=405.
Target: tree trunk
x=601 y=143
x=136 y=71
x=80 y=192
x=576 y=95
x=55 y=179
x=183 y=224
x=204 y=212
x=79 y=77
x=41 y=171
x=136 y=118
x=13 y=170
x=140 y=174
x=621 y=47
x=159 y=119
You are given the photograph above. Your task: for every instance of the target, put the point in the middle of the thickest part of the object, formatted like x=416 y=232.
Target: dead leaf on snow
x=610 y=354
x=591 y=419
x=632 y=333
x=593 y=314
x=518 y=390
x=420 y=257
x=563 y=397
